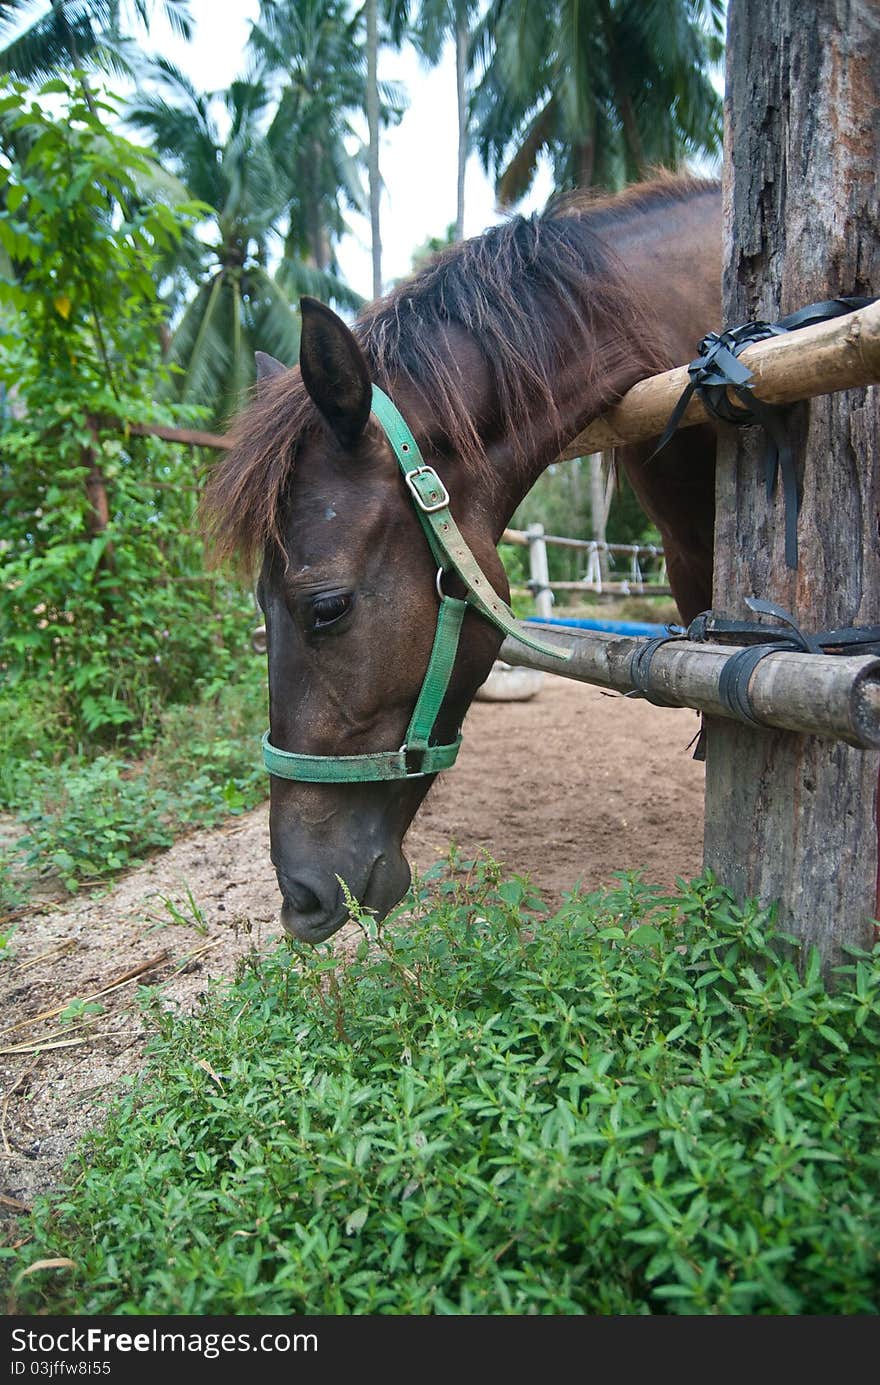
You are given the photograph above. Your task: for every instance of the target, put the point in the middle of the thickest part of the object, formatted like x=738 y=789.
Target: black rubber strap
x=733 y=684
x=640 y=666
x=850 y=639
x=717 y=370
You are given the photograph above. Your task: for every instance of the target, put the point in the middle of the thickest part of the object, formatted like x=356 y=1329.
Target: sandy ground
x=567 y=787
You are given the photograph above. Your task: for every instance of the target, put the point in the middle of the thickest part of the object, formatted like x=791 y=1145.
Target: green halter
x=417 y=757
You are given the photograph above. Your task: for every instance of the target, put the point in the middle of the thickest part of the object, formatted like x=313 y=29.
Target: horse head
x=374 y=481
x=351 y=595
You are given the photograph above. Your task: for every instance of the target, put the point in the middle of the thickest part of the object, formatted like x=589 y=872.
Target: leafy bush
x=635 y=1106
x=207 y=758
x=12 y=896
x=97 y=822
x=33 y=731
x=103 y=594
x=87 y=820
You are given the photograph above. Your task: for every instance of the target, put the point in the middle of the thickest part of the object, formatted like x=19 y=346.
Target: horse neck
x=671 y=261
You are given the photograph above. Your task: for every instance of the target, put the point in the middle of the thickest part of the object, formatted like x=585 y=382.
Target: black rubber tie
x=733 y=684
x=640 y=666
x=786 y=637
x=717 y=370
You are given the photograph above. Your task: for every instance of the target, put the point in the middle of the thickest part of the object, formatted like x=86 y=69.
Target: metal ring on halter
x=438 y=583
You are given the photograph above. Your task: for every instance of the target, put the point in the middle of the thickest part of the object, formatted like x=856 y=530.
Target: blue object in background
x=610 y=627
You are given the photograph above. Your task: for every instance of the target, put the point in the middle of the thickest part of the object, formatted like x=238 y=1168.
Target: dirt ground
x=567 y=787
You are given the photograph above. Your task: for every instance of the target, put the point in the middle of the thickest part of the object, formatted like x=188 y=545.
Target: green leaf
x=645 y=935
x=355 y=1222
x=833 y=1037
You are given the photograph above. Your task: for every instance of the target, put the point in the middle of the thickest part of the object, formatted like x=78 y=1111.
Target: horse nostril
x=300 y=897
x=311 y=911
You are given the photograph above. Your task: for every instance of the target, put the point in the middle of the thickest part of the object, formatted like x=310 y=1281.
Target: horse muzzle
x=314 y=905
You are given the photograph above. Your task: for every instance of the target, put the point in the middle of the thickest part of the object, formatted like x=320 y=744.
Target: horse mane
x=530 y=293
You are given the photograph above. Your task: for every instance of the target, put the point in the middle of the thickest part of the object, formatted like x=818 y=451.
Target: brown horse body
x=496 y=355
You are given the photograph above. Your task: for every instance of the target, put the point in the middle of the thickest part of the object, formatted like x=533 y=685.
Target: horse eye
x=327 y=610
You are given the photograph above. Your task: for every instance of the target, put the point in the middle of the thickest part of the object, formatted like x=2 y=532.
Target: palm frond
x=294 y=278
x=629 y=80
x=51 y=42
x=516 y=179
x=179 y=18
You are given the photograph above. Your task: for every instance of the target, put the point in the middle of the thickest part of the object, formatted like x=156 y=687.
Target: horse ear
x=267 y=367
x=334 y=371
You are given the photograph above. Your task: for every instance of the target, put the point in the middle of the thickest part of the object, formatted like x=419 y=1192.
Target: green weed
x=634 y=1106
x=90 y=822
x=12 y=891
x=89 y=819
x=80 y=1009
x=188 y=915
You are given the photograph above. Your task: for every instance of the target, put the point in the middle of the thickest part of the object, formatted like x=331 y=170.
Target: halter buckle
x=427 y=489
x=414 y=760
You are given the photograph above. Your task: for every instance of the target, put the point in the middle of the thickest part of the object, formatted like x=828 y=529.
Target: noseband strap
x=417 y=757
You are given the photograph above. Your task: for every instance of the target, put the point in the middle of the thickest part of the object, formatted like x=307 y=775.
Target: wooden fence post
x=96 y=490
x=788 y=816
x=600 y=501
x=539 y=572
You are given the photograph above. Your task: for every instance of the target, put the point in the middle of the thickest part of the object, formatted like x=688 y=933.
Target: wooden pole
x=790 y=817
x=837 y=355
x=824 y=694
x=189 y=437
x=598 y=510
x=625 y=588
x=539 y=572
x=521 y=537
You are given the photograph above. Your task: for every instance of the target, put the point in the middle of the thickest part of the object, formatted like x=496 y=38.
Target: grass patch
x=659 y=610
x=635 y=1106
x=88 y=819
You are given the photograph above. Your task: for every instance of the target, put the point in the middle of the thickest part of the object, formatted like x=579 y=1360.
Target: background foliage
x=560 y=501
x=103 y=594
x=108 y=617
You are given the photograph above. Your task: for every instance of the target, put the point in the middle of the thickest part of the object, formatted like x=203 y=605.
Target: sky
x=417 y=157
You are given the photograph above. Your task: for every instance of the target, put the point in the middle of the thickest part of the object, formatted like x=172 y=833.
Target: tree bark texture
x=788 y=816
x=96 y=490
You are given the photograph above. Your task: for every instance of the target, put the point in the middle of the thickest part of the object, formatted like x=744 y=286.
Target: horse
x=444 y=401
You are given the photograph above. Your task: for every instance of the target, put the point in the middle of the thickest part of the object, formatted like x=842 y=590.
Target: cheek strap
x=417 y=757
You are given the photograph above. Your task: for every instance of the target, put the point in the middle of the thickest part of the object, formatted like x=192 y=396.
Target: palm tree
x=460 y=14
x=322 y=60
x=65 y=34
x=239 y=306
x=307 y=53
x=371 y=13
x=606 y=88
